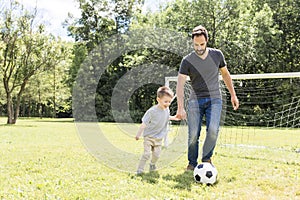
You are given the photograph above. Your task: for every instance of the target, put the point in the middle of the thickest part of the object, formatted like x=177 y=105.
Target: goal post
x=267 y=124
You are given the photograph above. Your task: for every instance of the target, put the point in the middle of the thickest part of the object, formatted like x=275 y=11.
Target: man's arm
x=181 y=114
x=228 y=82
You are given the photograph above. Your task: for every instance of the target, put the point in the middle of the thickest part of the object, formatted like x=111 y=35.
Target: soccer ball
x=205 y=173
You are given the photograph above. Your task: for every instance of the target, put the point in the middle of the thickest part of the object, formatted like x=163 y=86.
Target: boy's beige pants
x=150 y=145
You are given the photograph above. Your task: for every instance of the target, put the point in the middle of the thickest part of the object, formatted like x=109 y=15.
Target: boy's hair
x=164 y=91
x=200 y=30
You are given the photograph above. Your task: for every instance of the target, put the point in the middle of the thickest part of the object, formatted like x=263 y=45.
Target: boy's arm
x=140 y=131
x=174 y=118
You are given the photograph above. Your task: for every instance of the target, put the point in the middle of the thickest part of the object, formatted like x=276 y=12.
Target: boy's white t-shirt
x=156 y=120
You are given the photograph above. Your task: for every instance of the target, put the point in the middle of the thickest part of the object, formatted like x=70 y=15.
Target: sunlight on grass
x=45 y=159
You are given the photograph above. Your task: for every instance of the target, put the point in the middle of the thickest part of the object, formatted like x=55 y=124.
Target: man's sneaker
x=139 y=172
x=190 y=168
x=209 y=161
x=152 y=167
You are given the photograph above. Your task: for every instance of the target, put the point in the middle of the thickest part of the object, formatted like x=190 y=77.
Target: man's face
x=200 y=44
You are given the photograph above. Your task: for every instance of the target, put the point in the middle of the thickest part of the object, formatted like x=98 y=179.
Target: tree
x=95 y=24
x=99 y=21
x=47 y=93
x=27 y=50
x=255 y=37
x=286 y=17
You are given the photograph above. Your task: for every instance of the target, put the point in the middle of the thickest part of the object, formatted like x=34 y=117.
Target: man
x=203 y=66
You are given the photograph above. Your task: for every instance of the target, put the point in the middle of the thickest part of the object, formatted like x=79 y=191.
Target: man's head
x=200 y=30
x=164 y=97
x=200 y=38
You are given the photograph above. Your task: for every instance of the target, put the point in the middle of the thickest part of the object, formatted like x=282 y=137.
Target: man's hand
x=235 y=102
x=180 y=114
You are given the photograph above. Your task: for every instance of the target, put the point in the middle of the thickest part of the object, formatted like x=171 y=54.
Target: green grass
x=45 y=159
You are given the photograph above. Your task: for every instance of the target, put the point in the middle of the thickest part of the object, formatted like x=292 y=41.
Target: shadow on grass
x=17 y=125
x=37 y=120
x=183 y=181
x=151 y=177
x=56 y=120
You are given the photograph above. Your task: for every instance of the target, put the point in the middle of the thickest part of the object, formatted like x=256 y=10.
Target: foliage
x=248 y=35
x=98 y=22
x=251 y=34
x=26 y=51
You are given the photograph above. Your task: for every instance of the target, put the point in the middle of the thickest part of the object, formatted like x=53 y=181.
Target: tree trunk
x=13 y=111
x=23 y=108
x=39 y=108
x=29 y=108
x=17 y=109
x=10 y=110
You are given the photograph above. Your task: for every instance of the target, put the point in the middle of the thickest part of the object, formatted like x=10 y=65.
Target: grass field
x=45 y=159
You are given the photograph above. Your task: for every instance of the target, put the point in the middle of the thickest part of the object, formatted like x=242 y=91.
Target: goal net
x=269 y=112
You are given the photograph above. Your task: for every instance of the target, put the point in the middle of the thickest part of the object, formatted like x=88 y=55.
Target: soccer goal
x=269 y=107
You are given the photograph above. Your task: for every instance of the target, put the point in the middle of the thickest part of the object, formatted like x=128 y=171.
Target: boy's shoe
x=190 y=168
x=139 y=172
x=152 y=167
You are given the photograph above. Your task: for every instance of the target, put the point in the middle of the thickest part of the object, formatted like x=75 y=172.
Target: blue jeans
x=211 y=108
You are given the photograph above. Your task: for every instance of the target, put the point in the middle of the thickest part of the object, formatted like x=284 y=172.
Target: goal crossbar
x=251 y=76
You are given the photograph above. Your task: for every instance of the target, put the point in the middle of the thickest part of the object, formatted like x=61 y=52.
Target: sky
x=54 y=12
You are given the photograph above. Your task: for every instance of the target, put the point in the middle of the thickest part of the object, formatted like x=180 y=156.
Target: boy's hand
x=140 y=131
x=175 y=118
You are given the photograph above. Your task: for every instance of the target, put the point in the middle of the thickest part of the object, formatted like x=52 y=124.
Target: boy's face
x=164 y=102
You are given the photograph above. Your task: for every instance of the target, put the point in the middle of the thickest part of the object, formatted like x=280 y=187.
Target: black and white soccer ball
x=205 y=173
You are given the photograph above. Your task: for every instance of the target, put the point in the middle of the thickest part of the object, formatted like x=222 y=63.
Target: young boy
x=154 y=128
